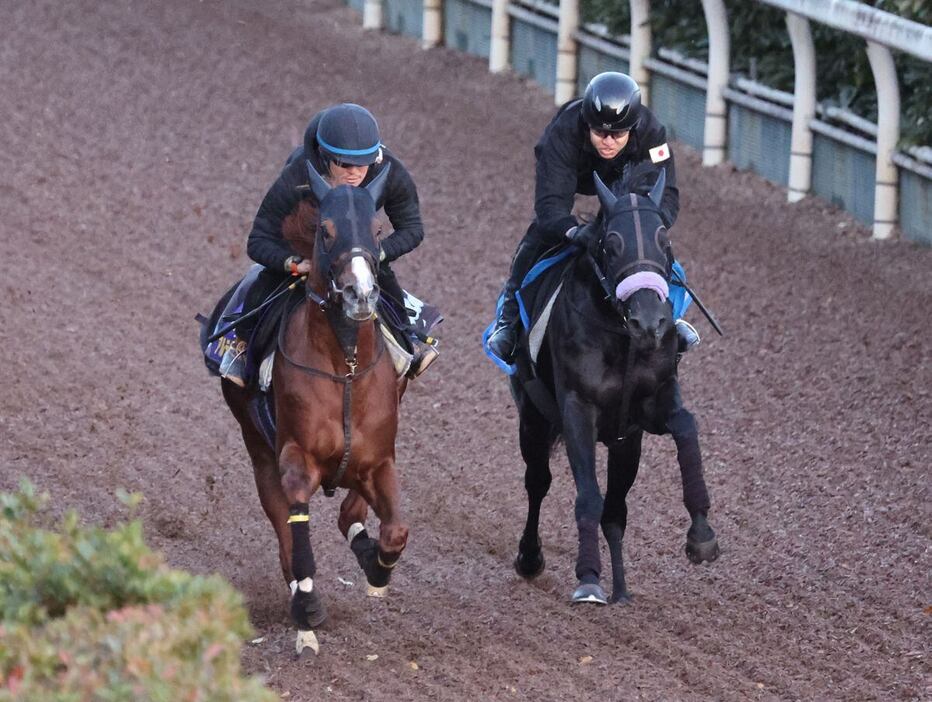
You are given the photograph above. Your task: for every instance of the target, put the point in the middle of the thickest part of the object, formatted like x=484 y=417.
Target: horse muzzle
x=358 y=305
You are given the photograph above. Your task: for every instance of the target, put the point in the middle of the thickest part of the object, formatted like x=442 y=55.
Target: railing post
x=565 y=87
x=501 y=37
x=888 y=134
x=640 y=46
x=372 y=15
x=714 y=138
x=804 y=105
x=433 y=24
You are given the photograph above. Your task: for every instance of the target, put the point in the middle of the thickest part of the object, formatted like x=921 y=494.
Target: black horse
x=610 y=361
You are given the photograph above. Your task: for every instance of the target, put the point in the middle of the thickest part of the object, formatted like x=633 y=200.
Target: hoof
x=622 y=598
x=529 y=567
x=374 y=591
x=699 y=551
x=306 y=640
x=589 y=593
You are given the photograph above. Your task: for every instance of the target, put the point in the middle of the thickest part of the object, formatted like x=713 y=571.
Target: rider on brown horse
x=343 y=143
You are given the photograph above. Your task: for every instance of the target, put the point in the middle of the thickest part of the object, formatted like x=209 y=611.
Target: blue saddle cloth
x=538 y=291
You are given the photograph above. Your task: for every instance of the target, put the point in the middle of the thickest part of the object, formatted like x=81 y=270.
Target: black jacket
x=566 y=160
x=266 y=244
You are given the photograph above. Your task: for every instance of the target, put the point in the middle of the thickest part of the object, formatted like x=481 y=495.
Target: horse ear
x=377 y=186
x=319 y=186
x=606 y=197
x=656 y=192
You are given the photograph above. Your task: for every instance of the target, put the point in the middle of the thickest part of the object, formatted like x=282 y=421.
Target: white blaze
x=362 y=276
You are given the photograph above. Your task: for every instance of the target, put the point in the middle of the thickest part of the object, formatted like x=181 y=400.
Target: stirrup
x=422 y=360
x=688 y=336
x=233 y=365
x=506 y=334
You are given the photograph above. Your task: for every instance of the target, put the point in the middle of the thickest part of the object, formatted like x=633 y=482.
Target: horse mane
x=638 y=178
x=300 y=228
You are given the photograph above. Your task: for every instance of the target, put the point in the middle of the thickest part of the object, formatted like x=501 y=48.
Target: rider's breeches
x=529 y=250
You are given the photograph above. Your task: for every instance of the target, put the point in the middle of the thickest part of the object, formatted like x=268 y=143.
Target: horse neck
x=326 y=339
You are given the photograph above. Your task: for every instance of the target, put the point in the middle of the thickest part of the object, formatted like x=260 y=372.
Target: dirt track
x=137 y=140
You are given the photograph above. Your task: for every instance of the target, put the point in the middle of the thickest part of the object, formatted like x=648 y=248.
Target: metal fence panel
x=593 y=62
x=916 y=207
x=844 y=176
x=467 y=27
x=534 y=53
x=760 y=143
x=405 y=17
x=680 y=107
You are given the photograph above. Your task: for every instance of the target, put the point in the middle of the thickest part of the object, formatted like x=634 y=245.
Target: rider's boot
x=687 y=338
x=233 y=363
x=425 y=353
x=503 y=339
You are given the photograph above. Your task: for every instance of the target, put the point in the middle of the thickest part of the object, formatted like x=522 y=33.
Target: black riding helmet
x=347 y=134
x=612 y=102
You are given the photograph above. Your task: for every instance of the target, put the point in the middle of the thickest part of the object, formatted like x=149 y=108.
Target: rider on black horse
x=343 y=143
x=604 y=131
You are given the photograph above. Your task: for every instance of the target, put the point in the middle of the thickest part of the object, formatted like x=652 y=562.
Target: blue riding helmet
x=348 y=134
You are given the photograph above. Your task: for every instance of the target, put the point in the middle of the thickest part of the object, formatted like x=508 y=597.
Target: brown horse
x=336 y=406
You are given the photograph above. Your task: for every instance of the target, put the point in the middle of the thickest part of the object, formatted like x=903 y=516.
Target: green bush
x=761 y=49
x=92 y=614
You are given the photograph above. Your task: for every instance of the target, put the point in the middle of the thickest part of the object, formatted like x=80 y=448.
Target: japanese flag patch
x=659 y=153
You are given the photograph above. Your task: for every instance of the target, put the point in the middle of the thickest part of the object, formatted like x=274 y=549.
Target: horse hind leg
x=377 y=558
x=701 y=541
x=533 y=434
x=623 y=462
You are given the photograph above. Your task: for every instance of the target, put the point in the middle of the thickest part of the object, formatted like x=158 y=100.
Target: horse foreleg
x=579 y=433
x=377 y=559
x=701 y=542
x=299 y=483
x=265 y=472
x=533 y=432
x=623 y=461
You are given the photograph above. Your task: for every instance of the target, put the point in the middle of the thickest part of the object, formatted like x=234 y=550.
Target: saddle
x=536 y=295
x=399 y=323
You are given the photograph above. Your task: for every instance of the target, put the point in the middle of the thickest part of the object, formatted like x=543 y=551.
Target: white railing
x=882 y=32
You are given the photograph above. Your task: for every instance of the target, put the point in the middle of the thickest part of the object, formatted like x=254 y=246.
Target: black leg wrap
x=302 y=557
x=614 y=535
x=367 y=554
x=589 y=563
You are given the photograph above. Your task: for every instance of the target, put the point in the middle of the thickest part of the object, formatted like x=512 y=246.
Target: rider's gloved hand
x=585 y=236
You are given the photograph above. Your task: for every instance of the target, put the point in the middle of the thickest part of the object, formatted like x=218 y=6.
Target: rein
x=346 y=379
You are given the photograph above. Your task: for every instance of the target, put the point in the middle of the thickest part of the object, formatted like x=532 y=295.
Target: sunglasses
x=606 y=133
x=344 y=164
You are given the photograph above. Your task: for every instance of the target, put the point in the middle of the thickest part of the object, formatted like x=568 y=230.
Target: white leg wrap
x=354 y=530
x=293 y=586
x=306 y=585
